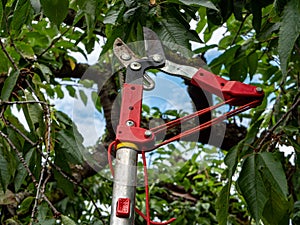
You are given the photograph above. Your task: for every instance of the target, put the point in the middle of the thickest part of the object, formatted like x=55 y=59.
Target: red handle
x=240 y=92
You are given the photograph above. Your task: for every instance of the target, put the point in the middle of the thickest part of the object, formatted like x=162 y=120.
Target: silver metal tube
x=125 y=181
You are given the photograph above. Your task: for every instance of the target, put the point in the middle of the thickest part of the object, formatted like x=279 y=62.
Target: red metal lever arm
x=240 y=93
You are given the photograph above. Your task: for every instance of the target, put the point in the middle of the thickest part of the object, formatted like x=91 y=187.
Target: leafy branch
x=25 y=165
x=271 y=131
x=42 y=183
x=8 y=56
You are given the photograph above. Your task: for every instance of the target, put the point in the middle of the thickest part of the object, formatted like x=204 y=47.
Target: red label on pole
x=123 y=207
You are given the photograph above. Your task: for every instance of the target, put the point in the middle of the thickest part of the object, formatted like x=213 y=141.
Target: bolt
x=148 y=133
x=125 y=57
x=157 y=58
x=259 y=89
x=135 y=66
x=130 y=123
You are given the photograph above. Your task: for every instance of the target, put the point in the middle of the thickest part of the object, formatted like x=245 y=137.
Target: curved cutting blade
x=153 y=45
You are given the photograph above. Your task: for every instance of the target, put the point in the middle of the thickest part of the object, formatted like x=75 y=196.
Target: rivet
x=130 y=123
x=148 y=133
x=125 y=57
x=157 y=58
x=259 y=89
x=135 y=66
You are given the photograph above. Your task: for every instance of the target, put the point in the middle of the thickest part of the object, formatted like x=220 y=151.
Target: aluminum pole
x=125 y=181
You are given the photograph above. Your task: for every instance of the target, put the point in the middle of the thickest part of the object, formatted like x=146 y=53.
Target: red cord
x=109 y=158
x=202 y=126
x=152 y=222
x=146 y=188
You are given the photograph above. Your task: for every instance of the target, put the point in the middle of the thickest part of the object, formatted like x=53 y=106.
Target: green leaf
x=71 y=90
x=289 y=32
x=114 y=14
x=272 y=172
x=21 y=172
x=25 y=205
x=4 y=171
x=231 y=161
x=46 y=71
x=20 y=15
x=1 y=12
x=226 y=58
x=9 y=85
x=36 y=115
x=263 y=180
x=25 y=50
x=72 y=143
x=89 y=9
x=277 y=209
x=60 y=94
x=238 y=71
x=55 y=10
x=67 y=221
x=252 y=187
x=257 y=15
x=5 y=63
x=222 y=204
x=252 y=60
x=204 y=3
x=83 y=97
x=175 y=35
x=11 y=222
x=62 y=182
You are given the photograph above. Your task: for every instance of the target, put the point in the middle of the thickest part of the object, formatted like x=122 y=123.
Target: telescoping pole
x=124 y=189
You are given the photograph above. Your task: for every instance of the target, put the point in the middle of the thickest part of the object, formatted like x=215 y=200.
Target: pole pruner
x=132 y=139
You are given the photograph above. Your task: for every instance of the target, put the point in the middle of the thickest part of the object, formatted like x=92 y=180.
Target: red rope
x=146 y=188
x=204 y=125
x=109 y=157
x=174 y=123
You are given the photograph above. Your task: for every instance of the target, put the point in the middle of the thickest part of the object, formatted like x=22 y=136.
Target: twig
x=17 y=130
x=8 y=55
x=239 y=30
x=23 y=102
x=53 y=42
x=72 y=180
x=270 y=131
x=41 y=184
x=22 y=160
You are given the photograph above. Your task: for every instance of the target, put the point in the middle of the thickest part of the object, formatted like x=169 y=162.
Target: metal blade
x=153 y=44
x=124 y=53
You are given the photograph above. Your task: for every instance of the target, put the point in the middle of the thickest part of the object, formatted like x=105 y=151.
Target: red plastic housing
x=123 y=207
x=240 y=93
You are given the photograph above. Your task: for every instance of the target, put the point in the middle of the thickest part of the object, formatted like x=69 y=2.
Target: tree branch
x=270 y=131
x=22 y=160
x=8 y=56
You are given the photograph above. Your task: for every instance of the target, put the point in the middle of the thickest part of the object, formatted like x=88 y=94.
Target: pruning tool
x=132 y=139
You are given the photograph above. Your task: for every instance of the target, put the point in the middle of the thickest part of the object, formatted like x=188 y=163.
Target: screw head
x=125 y=57
x=148 y=133
x=157 y=58
x=135 y=66
x=259 y=89
x=130 y=123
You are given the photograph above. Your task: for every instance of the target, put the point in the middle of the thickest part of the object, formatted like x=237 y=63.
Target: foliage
x=43 y=171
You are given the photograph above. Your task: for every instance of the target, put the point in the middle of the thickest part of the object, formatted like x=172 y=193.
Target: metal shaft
x=125 y=181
